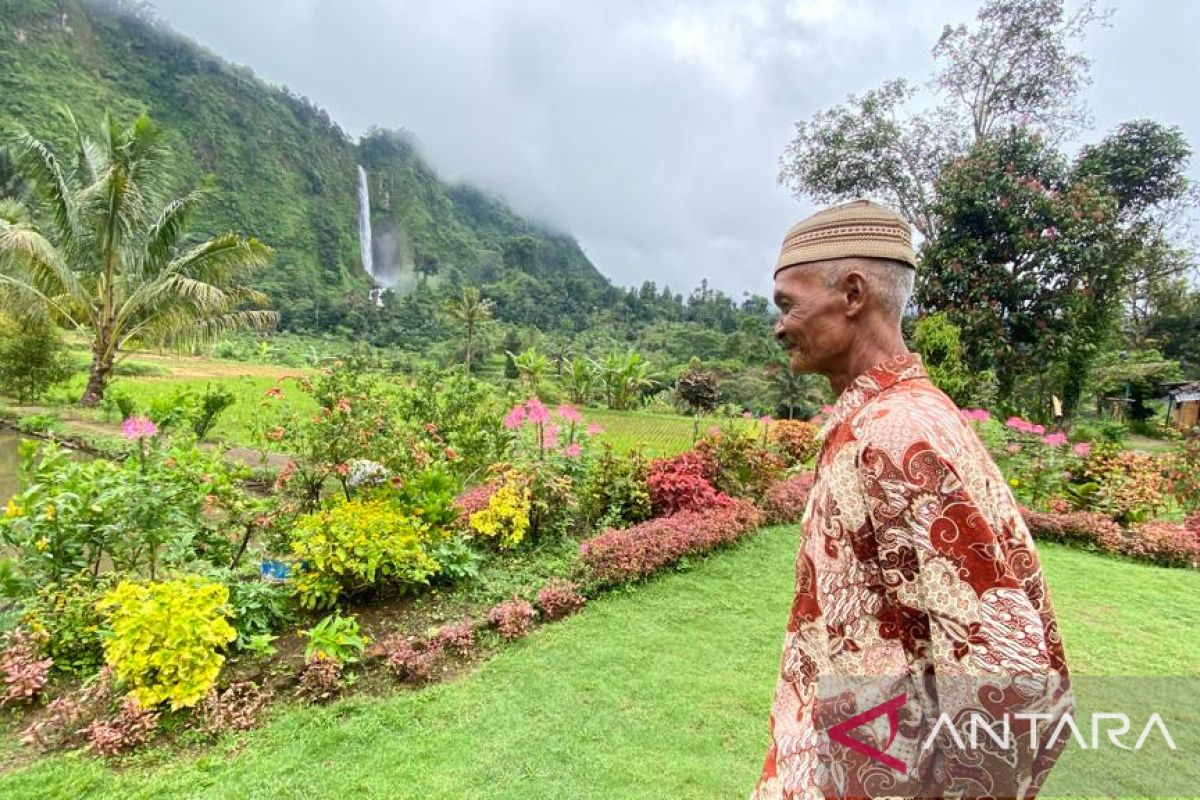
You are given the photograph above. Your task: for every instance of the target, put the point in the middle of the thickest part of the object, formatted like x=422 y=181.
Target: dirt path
x=203 y=367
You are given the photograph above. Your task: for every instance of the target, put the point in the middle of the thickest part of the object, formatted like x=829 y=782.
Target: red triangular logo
x=892 y=708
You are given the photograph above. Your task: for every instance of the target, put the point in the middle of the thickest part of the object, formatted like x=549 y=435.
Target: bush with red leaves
x=321 y=680
x=513 y=619
x=459 y=637
x=473 y=500
x=22 y=671
x=617 y=556
x=559 y=599
x=131 y=727
x=785 y=500
x=1168 y=543
x=1089 y=528
x=412 y=660
x=683 y=483
x=239 y=707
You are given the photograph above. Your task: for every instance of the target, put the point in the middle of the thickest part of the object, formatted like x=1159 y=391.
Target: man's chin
x=799 y=364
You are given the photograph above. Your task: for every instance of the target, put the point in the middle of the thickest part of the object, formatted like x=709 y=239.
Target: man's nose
x=779 y=329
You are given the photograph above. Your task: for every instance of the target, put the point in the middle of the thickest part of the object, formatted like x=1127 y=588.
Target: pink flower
x=515 y=417
x=594 y=429
x=550 y=437
x=537 y=412
x=138 y=428
x=572 y=450
x=767 y=420
x=1013 y=449
x=976 y=415
x=568 y=413
x=1083 y=449
x=1055 y=439
x=747 y=415
x=1038 y=429
x=827 y=409
x=1017 y=424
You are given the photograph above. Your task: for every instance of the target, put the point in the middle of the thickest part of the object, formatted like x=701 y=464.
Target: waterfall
x=365 y=239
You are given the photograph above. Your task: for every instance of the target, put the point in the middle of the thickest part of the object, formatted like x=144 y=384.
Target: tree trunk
x=98 y=375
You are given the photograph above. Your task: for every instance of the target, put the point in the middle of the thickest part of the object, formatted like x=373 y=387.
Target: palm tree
x=472 y=310
x=108 y=256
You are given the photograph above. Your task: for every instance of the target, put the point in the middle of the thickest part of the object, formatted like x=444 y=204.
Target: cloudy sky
x=649 y=129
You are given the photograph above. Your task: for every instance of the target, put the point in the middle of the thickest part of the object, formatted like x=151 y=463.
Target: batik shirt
x=915 y=568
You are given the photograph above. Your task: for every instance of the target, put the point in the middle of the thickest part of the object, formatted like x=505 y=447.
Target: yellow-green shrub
x=166 y=637
x=506 y=517
x=355 y=544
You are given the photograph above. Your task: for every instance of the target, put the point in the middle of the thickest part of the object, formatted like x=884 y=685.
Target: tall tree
x=1017 y=64
x=472 y=310
x=105 y=252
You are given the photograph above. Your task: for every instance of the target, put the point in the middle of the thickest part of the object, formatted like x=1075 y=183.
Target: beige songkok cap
x=856 y=229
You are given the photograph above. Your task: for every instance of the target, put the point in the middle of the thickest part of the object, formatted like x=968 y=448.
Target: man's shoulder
x=909 y=413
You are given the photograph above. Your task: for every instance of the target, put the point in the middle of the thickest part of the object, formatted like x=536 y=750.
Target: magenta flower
x=594 y=429
x=747 y=415
x=1017 y=424
x=767 y=420
x=550 y=437
x=568 y=413
x=1055 y=439
x=976 y=415
x=537 y=412
x=515 y=417
x=1083 y=449
x=139 y=428
x=1038 y=429
x=572 y=450
x=826 y=409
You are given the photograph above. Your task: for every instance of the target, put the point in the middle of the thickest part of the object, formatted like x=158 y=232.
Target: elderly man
x=916 y=577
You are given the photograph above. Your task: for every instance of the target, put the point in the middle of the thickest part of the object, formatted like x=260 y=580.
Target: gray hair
x=891 y=282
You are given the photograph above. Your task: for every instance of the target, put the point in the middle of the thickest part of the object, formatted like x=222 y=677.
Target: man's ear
x=854 y=293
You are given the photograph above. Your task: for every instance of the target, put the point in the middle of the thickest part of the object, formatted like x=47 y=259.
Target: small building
x=1183 y=406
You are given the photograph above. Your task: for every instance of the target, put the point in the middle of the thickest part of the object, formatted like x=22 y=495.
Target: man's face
x=812 y=324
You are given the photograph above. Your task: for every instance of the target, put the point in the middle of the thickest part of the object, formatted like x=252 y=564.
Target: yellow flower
x=1013 y=482
x=41 y=544
x=12 y=509
x=50 y=512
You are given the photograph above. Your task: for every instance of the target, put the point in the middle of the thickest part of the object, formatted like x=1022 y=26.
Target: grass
x=656 y=434
x=658 y=691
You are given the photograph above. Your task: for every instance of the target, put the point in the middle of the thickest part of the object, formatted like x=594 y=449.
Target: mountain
x=285 y=172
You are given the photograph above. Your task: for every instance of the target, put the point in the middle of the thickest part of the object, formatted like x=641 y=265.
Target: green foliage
x=66 y=612
x=614 y=493
x=937 y=339
x=335 y=638
x=162 y=508
x=260 y=609
x=33 y=358
x=353 y=545
x=624 y=379
x=166 y=638
x=744 y=468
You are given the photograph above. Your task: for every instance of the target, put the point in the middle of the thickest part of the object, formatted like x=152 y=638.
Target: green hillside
x=284 y=171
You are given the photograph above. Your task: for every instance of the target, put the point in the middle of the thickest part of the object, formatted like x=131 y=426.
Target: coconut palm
x=105 y=251
x=471 y=309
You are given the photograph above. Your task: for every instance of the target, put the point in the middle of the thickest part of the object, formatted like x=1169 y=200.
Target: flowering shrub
x=1131 y=486
x=505 y=519
x=166 y=638
x=617 y=556
x=239 y=707
x=132 y=727
x=1088 y=528
x=336 y=638
x=795 y=439
x=22 y=669
x=513 y=618
x=682 y=483
x=320 y=680
x=558 y=599
x=615 y=493
x=785 y=500
x=1160 y=542
x=1185 y=476
x=356 y=544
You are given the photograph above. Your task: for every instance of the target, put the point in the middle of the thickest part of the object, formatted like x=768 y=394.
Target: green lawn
x=659 y=691
x=656 y=434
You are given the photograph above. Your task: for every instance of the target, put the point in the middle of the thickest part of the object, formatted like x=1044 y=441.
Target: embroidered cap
x=859 y=228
